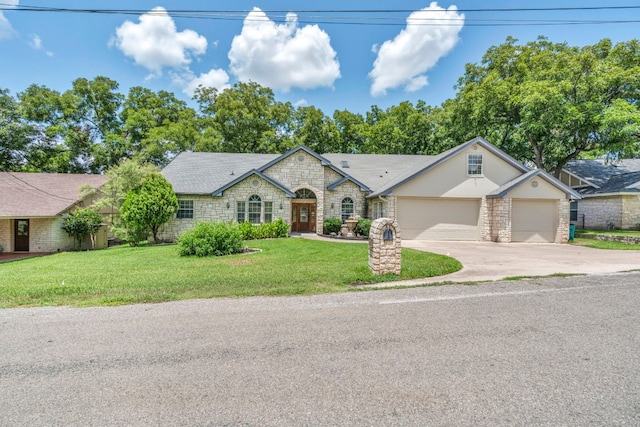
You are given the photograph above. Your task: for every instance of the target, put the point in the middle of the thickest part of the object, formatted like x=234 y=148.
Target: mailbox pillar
x=384 y=247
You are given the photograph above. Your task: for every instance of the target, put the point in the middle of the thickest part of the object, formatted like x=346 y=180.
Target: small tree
x=81 y=223
x=121 y=179
x=147 y=208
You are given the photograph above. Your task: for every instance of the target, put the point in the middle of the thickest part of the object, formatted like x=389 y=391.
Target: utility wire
x=369 y=17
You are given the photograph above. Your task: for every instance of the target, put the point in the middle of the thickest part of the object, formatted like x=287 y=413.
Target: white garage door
x=534 y=220
x=439 y=219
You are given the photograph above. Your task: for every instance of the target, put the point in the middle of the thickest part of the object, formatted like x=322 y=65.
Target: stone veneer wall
x=497 y=227
x=623 y=211
x=301 y=170
x=598 y=211
x=208 y=208
x=47 y=235
x=5 y=235
x=347 y=189
x=630 y=212
x=562 y=234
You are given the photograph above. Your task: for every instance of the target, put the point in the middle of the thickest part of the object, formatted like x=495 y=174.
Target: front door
x=303 y=217
x=21 y=235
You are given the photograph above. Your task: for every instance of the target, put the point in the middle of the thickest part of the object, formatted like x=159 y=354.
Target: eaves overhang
x=219 y=192
x=503 y=190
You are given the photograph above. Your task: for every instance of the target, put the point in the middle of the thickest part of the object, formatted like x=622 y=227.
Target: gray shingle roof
x=621 y=183
x=203 y=173
x=378 y=171
x=27 y=195
x=606 y=175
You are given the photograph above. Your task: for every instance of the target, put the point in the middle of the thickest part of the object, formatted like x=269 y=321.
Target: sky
x=333 y=55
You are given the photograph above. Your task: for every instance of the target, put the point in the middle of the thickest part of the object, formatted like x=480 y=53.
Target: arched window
x=347 y=209
x=305 y=193
x=254 y=209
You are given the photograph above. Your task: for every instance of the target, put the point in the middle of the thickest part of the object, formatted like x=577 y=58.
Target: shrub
x=246 y=230
x=332 y=225
x=269 y=230
x=206 y=239
x=362 y=227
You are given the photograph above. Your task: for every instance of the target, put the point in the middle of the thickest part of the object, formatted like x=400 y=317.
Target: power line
x=369 y=17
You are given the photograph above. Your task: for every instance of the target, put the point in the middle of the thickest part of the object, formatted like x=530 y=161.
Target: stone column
x=385 y=247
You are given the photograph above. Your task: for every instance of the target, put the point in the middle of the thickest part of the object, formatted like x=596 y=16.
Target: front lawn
x=604 y=244
x=128 y=275
x=613 y=232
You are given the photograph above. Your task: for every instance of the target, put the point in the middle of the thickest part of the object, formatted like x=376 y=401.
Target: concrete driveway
x=496 y=261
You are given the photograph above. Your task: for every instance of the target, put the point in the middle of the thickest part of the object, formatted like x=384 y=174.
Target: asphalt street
x=552 y=351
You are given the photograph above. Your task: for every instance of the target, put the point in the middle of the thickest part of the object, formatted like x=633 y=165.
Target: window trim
x=475 y=169
x=342 y=208
x=183 y=211
x=254 y=202
x=241 y=209
x=573 y=211
x=267 y=211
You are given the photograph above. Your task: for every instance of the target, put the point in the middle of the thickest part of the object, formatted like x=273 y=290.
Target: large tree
x=548 y=103
x=76 y=126
x=245 y=118
x=157 y=126
x=15 y=134
x=315 y=130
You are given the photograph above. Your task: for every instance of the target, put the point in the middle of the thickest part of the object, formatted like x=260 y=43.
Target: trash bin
x=572 y=232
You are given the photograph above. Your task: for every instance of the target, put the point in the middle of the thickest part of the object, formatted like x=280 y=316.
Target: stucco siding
x=536 y=188
x=450 y=178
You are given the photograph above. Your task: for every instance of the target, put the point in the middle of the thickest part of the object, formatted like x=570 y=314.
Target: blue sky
x=330 y=58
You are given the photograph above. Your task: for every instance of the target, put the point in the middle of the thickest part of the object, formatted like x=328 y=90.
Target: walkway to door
x=12 y=256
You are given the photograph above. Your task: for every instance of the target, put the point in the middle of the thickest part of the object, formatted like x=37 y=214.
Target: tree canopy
x=544 y=103
x=548 y=103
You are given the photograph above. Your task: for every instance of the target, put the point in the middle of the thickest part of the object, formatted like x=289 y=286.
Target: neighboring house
x=472 y=192
x=610 y=193
x=33 y=207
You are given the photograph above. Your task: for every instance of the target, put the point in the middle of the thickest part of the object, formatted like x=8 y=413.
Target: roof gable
x=444 y=157
x=220 y=191
x=503 y=190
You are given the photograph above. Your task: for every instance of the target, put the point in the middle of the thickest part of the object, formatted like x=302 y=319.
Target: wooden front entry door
x=21 y=235
x=303 y=217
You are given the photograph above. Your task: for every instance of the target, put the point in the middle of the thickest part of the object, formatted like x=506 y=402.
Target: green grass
x=602 y=244
x=612 y=232
x=128 y=275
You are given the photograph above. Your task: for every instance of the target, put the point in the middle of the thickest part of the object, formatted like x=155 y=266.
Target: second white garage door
x=534 y=220
x=439 y=219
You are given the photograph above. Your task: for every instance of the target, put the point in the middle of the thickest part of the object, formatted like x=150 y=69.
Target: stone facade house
x=33 y=207
x=610 y=193
x=472 y=192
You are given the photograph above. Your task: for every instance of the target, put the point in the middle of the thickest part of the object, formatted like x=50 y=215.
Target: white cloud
x=36 y=43
x=430 y=34
x=282 y=56
x=155 y=42
x=215 y=78
x=6 y=30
